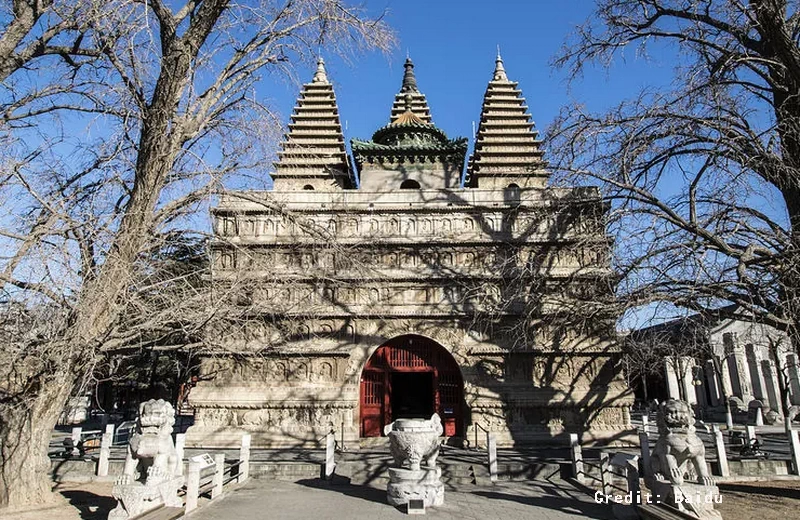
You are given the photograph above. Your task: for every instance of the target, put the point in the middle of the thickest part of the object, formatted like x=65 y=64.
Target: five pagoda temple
x=410 y=281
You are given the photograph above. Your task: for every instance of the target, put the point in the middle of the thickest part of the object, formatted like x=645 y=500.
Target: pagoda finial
x=499 y=70
x=409 y=100
x=409 y=81
x=320 y=76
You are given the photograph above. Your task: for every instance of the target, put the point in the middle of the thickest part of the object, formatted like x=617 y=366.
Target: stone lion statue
x=151 y=452
x=678 y=445
x=149 y=478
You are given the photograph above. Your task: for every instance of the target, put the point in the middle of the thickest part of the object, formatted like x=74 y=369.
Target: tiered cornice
x=313 y=154
x=507 y=148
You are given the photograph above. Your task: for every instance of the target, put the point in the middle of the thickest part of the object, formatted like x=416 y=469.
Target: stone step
x=373 y=473
x=285 y=470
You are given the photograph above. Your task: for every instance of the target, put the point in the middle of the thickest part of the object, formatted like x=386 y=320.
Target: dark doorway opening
x=412 y=395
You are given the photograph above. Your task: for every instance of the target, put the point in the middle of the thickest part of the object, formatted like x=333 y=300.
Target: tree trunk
x=644 y=389
x=783 y=386
x=26 y=425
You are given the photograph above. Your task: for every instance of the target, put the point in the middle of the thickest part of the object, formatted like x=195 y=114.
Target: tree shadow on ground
x=550 y=500
x=90 y=505
x=342 y=485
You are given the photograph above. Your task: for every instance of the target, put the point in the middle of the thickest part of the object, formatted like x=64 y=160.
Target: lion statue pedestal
x=679 y=455
x=150 y=477
x=411 y=442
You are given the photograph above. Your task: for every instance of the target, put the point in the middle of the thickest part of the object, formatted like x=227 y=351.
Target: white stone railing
x=211 y=479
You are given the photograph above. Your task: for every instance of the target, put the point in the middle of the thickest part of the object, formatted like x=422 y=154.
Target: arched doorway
x=411 y=376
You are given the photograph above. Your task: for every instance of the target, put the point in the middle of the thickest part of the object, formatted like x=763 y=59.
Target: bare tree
x=152 y=106
x=702 y=175
x=644 y=360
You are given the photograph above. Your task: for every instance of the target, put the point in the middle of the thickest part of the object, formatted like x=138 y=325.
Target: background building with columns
x=707 y=362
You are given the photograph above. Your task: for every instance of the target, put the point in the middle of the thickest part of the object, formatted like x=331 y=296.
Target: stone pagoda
x=412 y=293
x=313 y=155
x=507 y=148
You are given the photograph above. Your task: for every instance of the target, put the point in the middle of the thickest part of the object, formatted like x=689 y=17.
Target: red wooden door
x=449 y=401
x=373 y=396
x=411 y=354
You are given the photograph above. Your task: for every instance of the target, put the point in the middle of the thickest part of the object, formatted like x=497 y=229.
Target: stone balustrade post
x=244 y=458
x=219 y=475
x=751 y=432
x=491 y=449
x=605 y=473
x=330 y=455
x=728 y=416
x=180 y=446
x=577 y=458
x=105 y=452
x=794 y=444
x=192 y=485
x=644 y=445
x=722 y=456
x=76 y=438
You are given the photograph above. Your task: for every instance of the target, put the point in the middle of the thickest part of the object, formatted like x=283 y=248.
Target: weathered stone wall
x=493 y=279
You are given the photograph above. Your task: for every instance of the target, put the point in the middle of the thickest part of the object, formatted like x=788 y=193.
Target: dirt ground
x=89 y=501
x=770 y=500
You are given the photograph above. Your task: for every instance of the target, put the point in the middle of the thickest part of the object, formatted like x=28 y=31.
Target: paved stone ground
x=308 y=499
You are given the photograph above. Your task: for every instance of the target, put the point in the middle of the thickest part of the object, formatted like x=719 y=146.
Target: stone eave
x=452 y=199
x=488 y=242
x=423 y=277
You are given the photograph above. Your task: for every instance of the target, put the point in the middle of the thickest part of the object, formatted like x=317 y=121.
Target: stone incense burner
x=411 y=442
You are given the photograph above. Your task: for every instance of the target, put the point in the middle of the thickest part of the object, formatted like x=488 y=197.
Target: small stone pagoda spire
x=507 y=149
x=409 y=152
x=499 y=70
x=419 y=104
x=313 y=155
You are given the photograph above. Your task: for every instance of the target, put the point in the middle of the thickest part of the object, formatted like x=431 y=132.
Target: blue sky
x=453 y=46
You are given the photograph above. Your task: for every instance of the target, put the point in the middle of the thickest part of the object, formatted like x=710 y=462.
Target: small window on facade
x=409 y=184
x=513 y=186
x=308 y=187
